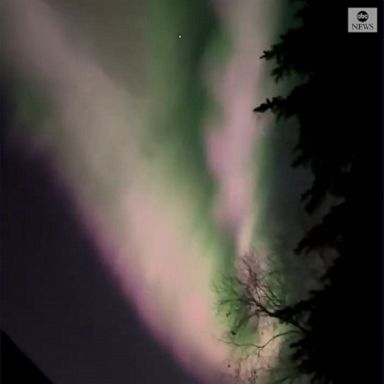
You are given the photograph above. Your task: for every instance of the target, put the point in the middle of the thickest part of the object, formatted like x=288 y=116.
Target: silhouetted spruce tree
x=337 y=107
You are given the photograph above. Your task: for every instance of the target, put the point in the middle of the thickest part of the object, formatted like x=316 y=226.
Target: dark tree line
x=336 y=104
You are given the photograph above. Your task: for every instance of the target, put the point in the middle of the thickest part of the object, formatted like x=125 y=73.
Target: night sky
x=59 y=303
x=135 y=176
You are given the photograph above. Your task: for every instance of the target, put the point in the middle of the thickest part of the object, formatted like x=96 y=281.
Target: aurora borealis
x=144 y=110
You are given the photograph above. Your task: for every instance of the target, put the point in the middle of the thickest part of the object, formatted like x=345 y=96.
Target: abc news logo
x=362 y=20
x=362 y=16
